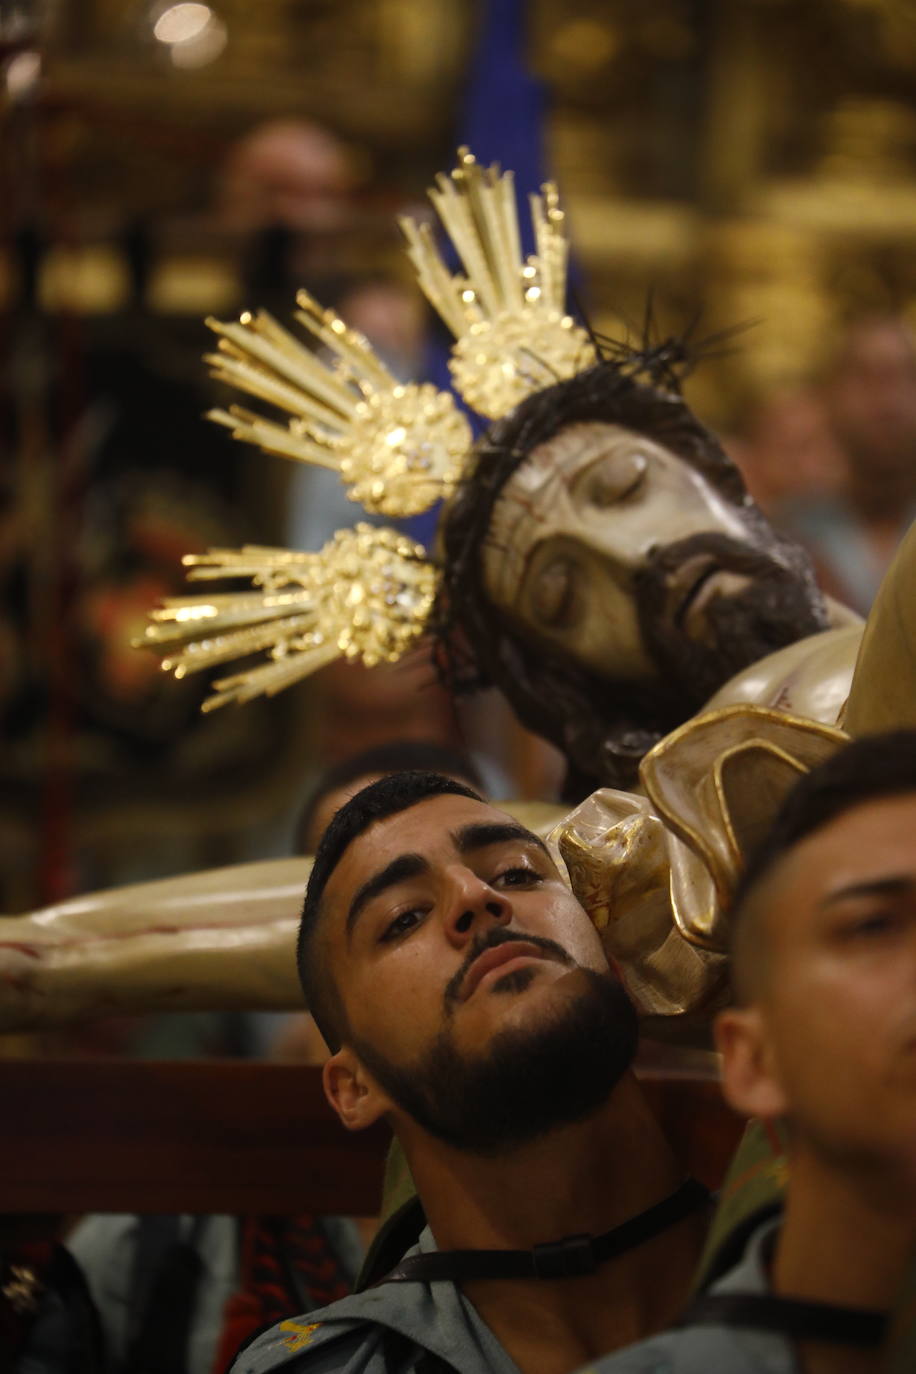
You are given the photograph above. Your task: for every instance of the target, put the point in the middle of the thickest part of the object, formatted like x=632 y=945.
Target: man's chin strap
x=568 y=1258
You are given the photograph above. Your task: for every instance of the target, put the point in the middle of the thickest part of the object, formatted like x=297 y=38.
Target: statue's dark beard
x=531 y=1080
x=779 y=606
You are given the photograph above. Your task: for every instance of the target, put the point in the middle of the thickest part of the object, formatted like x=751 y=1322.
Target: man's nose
x=622 y=547
x=472 y=905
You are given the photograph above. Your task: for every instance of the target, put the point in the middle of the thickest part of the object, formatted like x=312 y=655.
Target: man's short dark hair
x=867 y=769
x=377 y=802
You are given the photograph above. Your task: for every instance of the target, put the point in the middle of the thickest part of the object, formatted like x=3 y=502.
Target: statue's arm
x=219 y=939
x=224 y=938
x=883 y=692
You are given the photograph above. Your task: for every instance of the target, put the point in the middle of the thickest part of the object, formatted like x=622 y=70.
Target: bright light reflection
x=180 y=23
x=203 y=48
x=22 y=72
x=195 y=612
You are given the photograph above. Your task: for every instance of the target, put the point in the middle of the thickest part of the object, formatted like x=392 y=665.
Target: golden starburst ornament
x=397 y=447
x=367 y=595
x=508 y=315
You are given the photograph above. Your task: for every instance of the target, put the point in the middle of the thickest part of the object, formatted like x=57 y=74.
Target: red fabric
x=242 y=1317
x=270 y=1247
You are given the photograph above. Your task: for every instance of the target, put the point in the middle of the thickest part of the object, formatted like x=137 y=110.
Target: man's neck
x=588 y=1177
x=844 y=1240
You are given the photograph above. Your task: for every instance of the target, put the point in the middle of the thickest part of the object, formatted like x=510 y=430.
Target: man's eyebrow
x=895 y=885
x=404 y=866
x=494 y=832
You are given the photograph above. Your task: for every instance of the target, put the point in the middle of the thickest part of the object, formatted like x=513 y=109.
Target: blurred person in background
x=289 y=186
x=853 y=529
x=342 y=781
x=177 y=1294
x=787 y=451
x=286 y=171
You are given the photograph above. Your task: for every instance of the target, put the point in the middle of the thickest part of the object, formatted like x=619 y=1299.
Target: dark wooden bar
x=119 y=1136
x=129 y=1136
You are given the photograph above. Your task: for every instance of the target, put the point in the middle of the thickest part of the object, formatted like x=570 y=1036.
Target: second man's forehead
x=868 y=846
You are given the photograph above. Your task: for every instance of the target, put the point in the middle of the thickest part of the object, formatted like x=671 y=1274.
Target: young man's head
x=463 y=988
x=823 y=1030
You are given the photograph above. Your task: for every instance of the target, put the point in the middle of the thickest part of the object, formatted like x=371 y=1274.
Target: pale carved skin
x=225 y=938
x=578 y=519
x=214 y=940
x=811 y=678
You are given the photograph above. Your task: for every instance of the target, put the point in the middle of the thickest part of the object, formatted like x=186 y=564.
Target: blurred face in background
x=287 y=172
x=871 y=395
x=789 y=450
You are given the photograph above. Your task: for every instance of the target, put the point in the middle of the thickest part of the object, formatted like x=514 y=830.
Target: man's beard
x=780 y=605
x=530 y=1080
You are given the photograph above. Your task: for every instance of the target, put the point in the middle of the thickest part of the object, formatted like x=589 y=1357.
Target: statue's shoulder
x=810 y=678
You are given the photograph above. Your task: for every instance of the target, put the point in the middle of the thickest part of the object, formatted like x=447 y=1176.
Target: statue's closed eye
x=613 y=478
x=552 y=591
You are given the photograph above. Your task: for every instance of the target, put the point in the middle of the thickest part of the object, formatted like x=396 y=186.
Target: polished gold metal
x=398 y=448
x=508 y=315
x=656 y=873
x=717 y=783
x=22 y=1290
x=366 y=595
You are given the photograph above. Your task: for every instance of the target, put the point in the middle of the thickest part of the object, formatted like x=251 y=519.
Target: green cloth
x=402 y=1220
x=756 y=1179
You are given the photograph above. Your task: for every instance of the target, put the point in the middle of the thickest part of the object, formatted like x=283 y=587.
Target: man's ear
x=351 y=1091
x=750 y=1081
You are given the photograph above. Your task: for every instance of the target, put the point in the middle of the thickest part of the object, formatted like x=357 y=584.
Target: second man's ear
x=352 y=1092
x=750 y=1080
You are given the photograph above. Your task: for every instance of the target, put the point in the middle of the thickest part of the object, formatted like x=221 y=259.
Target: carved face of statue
x=609 y=549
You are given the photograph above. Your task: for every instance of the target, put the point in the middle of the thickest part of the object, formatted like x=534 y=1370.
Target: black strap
x=560 y=1259
x=396 y=1235
x=793 y=1317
